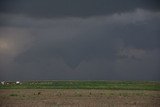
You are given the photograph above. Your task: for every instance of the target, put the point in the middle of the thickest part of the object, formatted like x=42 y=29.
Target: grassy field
x=110 y=85
x=80 y=94
x=78 y=98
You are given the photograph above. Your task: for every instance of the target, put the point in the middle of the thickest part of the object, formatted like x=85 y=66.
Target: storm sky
x=80 y=40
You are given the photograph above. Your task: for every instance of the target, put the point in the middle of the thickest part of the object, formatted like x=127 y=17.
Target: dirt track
x=78 y=98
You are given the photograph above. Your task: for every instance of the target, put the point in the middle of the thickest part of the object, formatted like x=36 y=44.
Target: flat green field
x=110 y=85
x=80 y=94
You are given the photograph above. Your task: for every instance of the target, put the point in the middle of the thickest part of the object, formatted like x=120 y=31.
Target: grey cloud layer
x=74 y=8
x=117 y=46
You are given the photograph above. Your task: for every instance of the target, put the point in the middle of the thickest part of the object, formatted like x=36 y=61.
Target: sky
x=80 y=40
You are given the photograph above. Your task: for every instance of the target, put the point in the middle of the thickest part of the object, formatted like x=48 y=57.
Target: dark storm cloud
x=87 y=39
x=74 y=8
x=117 y=46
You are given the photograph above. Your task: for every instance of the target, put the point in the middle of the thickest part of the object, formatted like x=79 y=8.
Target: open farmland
x=80 y=94
x=110 y=85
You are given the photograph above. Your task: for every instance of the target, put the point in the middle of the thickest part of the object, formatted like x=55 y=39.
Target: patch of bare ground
x=78 y=98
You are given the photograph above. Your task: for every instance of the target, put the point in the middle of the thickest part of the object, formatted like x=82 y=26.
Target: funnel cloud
x=80 y=40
